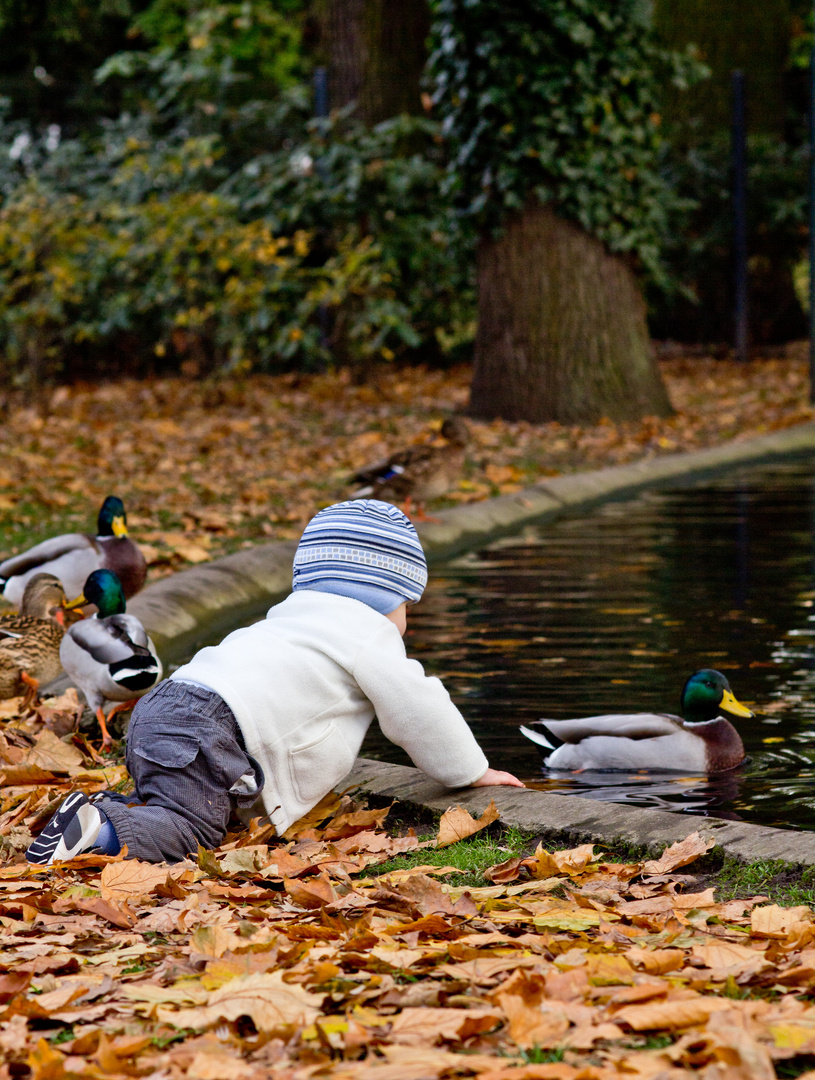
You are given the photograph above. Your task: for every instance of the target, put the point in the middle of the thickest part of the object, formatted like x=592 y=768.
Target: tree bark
x=561 y=329
x=375 y=51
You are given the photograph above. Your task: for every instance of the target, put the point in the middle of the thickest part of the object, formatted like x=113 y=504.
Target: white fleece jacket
x=305 y=684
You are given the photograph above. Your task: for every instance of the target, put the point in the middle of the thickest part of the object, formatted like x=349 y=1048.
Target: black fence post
x=321 y=111
x=740 y=217
x=321 y=92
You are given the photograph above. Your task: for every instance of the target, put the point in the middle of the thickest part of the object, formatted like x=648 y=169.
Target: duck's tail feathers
x=136 y=672
x=363 y=492
x=537 y=737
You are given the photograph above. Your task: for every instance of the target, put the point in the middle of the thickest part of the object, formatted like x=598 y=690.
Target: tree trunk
x=561 y=328
x=375 y=51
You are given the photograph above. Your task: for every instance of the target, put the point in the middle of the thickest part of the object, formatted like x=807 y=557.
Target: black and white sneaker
x=72 y=830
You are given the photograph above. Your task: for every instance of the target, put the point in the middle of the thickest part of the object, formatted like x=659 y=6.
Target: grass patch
x=793 y=1067
x=784 y=884
x=537 y=1056
x=471 y=857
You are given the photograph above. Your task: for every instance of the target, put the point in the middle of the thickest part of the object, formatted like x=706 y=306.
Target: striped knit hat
x=365 y=549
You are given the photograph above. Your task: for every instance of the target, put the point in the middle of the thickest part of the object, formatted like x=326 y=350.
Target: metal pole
x=321 y=92
x=740 y=216
x=812 y=216
x=321 y=111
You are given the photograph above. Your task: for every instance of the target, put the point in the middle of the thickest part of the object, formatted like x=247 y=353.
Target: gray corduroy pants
x=190 y=769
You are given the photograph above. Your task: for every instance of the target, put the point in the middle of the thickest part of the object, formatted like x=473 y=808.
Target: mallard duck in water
x=72 y=556
x=704 y=742
x=109 y=656
x=30 y=639
x=417 y=473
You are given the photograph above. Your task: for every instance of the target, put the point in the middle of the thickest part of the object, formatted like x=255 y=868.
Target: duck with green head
x=703 y=742
x=110 y=656
x=72 y=556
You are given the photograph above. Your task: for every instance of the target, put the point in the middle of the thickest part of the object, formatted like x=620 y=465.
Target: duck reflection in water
x=704 y=795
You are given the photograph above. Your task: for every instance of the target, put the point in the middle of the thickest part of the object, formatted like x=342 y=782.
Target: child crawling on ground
x=269 y=721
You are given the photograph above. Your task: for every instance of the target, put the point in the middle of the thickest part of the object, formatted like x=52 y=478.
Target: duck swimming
x=109 y=657
x=704 y=742
x=72 y=556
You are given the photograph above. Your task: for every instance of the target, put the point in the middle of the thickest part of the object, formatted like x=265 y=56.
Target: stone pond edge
x=213 y=596
x=568 y=820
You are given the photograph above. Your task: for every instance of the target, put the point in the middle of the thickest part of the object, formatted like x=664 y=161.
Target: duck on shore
x=71 y=557
x=30 y=639
x=703 y=742
x=418 y=473
x=109 y=656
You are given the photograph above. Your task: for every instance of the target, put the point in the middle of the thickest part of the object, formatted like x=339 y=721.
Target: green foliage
x=557 y=99
x=332 y=248
x=209 y=58
x=471 y=857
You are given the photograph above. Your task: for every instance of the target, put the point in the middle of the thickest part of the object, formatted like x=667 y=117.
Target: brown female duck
x=418 y=473
x=30 y=639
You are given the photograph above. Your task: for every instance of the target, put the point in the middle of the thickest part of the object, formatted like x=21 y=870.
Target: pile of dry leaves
x=204 y=467
x=290 y=959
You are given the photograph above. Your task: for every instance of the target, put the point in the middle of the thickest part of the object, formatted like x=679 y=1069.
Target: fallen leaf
x=457 y=824
x=679 y=854
x=272 y=1005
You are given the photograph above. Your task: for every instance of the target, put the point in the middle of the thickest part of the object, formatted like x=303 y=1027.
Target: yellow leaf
x=457 y=824
x=545 y=864
x=678 y=854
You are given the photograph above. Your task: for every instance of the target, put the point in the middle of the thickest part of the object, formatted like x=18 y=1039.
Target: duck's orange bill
x=80 y=601
x=729 y=704
x=119 y=527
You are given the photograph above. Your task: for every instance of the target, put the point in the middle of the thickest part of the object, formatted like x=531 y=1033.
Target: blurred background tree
x=554 y=133
x=168 y=199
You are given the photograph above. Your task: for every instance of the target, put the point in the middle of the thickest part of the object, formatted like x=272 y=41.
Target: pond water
x=612 y=610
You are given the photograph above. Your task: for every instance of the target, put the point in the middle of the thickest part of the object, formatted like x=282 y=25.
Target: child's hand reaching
x=493 y=777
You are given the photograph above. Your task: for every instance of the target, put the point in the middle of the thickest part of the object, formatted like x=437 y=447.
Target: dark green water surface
x=612 y=610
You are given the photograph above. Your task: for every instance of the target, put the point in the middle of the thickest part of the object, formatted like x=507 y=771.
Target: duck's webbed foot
x=122 y=706
x=32 y=692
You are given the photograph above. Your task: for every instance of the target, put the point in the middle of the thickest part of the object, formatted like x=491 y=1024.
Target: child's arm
x=416 y=712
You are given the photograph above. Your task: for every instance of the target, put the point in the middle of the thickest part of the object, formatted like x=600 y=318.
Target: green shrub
x=137 y=249
x=224 y=230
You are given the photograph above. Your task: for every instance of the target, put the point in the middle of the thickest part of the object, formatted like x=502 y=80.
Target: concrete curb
x=177 y=611
x=570 y=820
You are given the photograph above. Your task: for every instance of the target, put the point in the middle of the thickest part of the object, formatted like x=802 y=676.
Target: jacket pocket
x=171 y=752
x=316 y=766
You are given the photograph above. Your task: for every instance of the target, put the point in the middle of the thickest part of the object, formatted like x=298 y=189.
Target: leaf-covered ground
x=293 y=959
x=204 y=467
